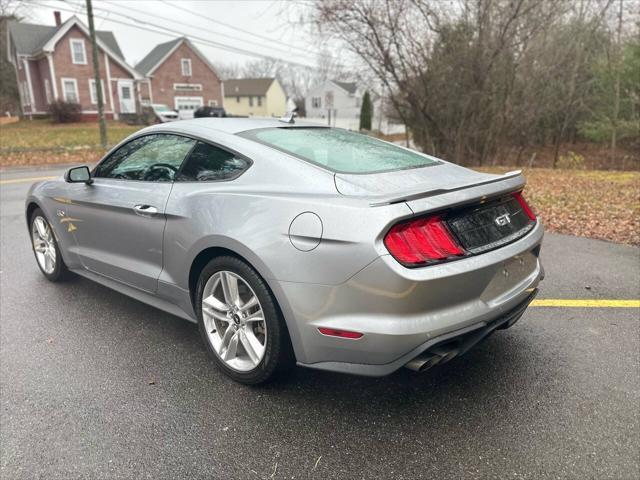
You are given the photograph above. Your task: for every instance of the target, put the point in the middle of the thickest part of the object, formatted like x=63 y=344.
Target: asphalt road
x=96 y=385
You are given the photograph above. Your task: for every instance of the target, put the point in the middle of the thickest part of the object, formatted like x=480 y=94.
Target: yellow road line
x=550 y=302
x=24 y=180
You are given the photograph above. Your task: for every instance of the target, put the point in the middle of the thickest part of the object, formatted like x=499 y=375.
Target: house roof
x=242 y=87
x=350 y=87
x=161 y=52
x=29 y=38
x=155 y=56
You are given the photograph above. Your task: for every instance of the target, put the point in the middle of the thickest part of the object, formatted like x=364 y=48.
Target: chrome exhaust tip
x=431 y=358
x=423 y=362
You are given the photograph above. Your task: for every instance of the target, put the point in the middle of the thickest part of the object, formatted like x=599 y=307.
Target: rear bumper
x=402 y=312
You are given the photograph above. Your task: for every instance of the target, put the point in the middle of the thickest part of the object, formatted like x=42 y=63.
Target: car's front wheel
x=45 y=248
x=240 y=322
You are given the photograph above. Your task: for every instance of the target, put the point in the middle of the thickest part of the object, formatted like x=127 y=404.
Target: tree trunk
x=616 y=92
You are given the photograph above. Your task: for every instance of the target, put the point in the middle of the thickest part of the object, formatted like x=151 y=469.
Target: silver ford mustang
x=296 y=243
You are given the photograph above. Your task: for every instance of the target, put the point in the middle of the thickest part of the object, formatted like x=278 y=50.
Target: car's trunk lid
x=413 y=184
x=478 y=208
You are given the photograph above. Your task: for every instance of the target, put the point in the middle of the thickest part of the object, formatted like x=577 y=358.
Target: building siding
x=344 y=105
x=274 y=103
x=43 y=74
x=170 y=72
x=65 y=68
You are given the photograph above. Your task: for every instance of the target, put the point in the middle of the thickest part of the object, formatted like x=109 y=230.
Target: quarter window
x=209 y=163
x=78 y=53
x=152 y=158
x=186 y=67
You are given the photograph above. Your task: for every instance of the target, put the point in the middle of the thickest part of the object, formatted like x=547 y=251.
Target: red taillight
x=333 y=332
x=425 y=240
x=525 y=206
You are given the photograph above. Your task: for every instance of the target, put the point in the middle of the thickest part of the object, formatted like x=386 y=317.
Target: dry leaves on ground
x=587 y=203
x=82 y=156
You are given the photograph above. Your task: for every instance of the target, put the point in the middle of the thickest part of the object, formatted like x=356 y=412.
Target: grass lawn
x=587 y=203
x=43 y=134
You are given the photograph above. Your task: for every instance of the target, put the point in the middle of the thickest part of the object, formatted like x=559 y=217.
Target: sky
x=255 y=27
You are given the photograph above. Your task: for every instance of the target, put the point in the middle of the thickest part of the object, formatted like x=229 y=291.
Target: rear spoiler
x=416 y=195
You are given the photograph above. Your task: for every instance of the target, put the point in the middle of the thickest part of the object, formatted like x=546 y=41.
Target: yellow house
x=254 y=97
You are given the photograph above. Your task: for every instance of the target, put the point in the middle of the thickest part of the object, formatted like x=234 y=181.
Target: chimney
x=56 y=15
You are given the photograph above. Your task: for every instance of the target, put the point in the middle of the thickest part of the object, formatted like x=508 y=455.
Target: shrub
x=571 y=161
x=64 y=112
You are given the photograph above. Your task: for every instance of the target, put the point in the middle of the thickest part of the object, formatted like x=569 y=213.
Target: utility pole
x=96 y=73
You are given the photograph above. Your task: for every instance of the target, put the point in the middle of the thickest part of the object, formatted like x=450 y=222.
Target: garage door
x=187 y=105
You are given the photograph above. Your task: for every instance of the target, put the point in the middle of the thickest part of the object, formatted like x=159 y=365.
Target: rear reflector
x=525 y=206
x=422 y=241
x=332 y=332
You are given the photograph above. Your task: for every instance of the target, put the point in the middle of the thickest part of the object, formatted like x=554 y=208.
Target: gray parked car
x=296 y=243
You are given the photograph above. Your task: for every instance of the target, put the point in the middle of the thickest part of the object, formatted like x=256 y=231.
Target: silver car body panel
x=315 y=237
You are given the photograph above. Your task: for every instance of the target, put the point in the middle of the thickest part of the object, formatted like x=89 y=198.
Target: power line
x=235 y=28
x=196 y=39
x=173 y=21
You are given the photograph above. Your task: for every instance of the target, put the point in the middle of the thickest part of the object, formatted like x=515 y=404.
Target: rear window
x=340 y=150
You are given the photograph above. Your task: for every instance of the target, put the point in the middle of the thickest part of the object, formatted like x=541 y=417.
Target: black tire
x=278 y=357
x=60 y=272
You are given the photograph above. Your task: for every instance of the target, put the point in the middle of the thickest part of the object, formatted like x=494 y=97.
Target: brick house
x=178 y=75
x=56 y=63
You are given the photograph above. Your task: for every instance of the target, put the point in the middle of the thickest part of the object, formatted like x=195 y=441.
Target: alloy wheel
x=234 y=321
x=43 y=244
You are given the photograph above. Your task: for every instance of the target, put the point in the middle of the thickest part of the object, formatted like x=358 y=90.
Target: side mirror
x=78 y=175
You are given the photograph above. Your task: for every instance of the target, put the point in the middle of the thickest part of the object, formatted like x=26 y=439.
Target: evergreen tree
x=366 y=112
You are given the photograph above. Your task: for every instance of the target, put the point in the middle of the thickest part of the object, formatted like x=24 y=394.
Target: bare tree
x=471 y=77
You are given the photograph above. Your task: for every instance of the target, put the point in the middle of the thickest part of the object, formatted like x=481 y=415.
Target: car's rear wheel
x=240 y=322
x=45 y=248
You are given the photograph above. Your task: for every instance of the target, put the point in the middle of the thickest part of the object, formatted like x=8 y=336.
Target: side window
x=152 y=158
x=207 y=163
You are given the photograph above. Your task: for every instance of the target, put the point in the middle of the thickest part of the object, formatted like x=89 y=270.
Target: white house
x=339 y=102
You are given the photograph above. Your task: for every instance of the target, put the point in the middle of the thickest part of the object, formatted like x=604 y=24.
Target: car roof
x=237 y=125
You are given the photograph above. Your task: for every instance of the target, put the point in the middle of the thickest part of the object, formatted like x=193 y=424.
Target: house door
x=125 y=94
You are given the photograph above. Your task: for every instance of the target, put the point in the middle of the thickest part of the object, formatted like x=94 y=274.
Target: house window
x=237 y=99
x=47 y=90
x=70 y=90
x=259 y=101
x=213 y=103
x=78 y=53
x=251 y=101
x=92 y=90
x=316 y=102
x=186 y=67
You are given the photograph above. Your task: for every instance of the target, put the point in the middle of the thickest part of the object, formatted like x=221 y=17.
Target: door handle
x=145 y=210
